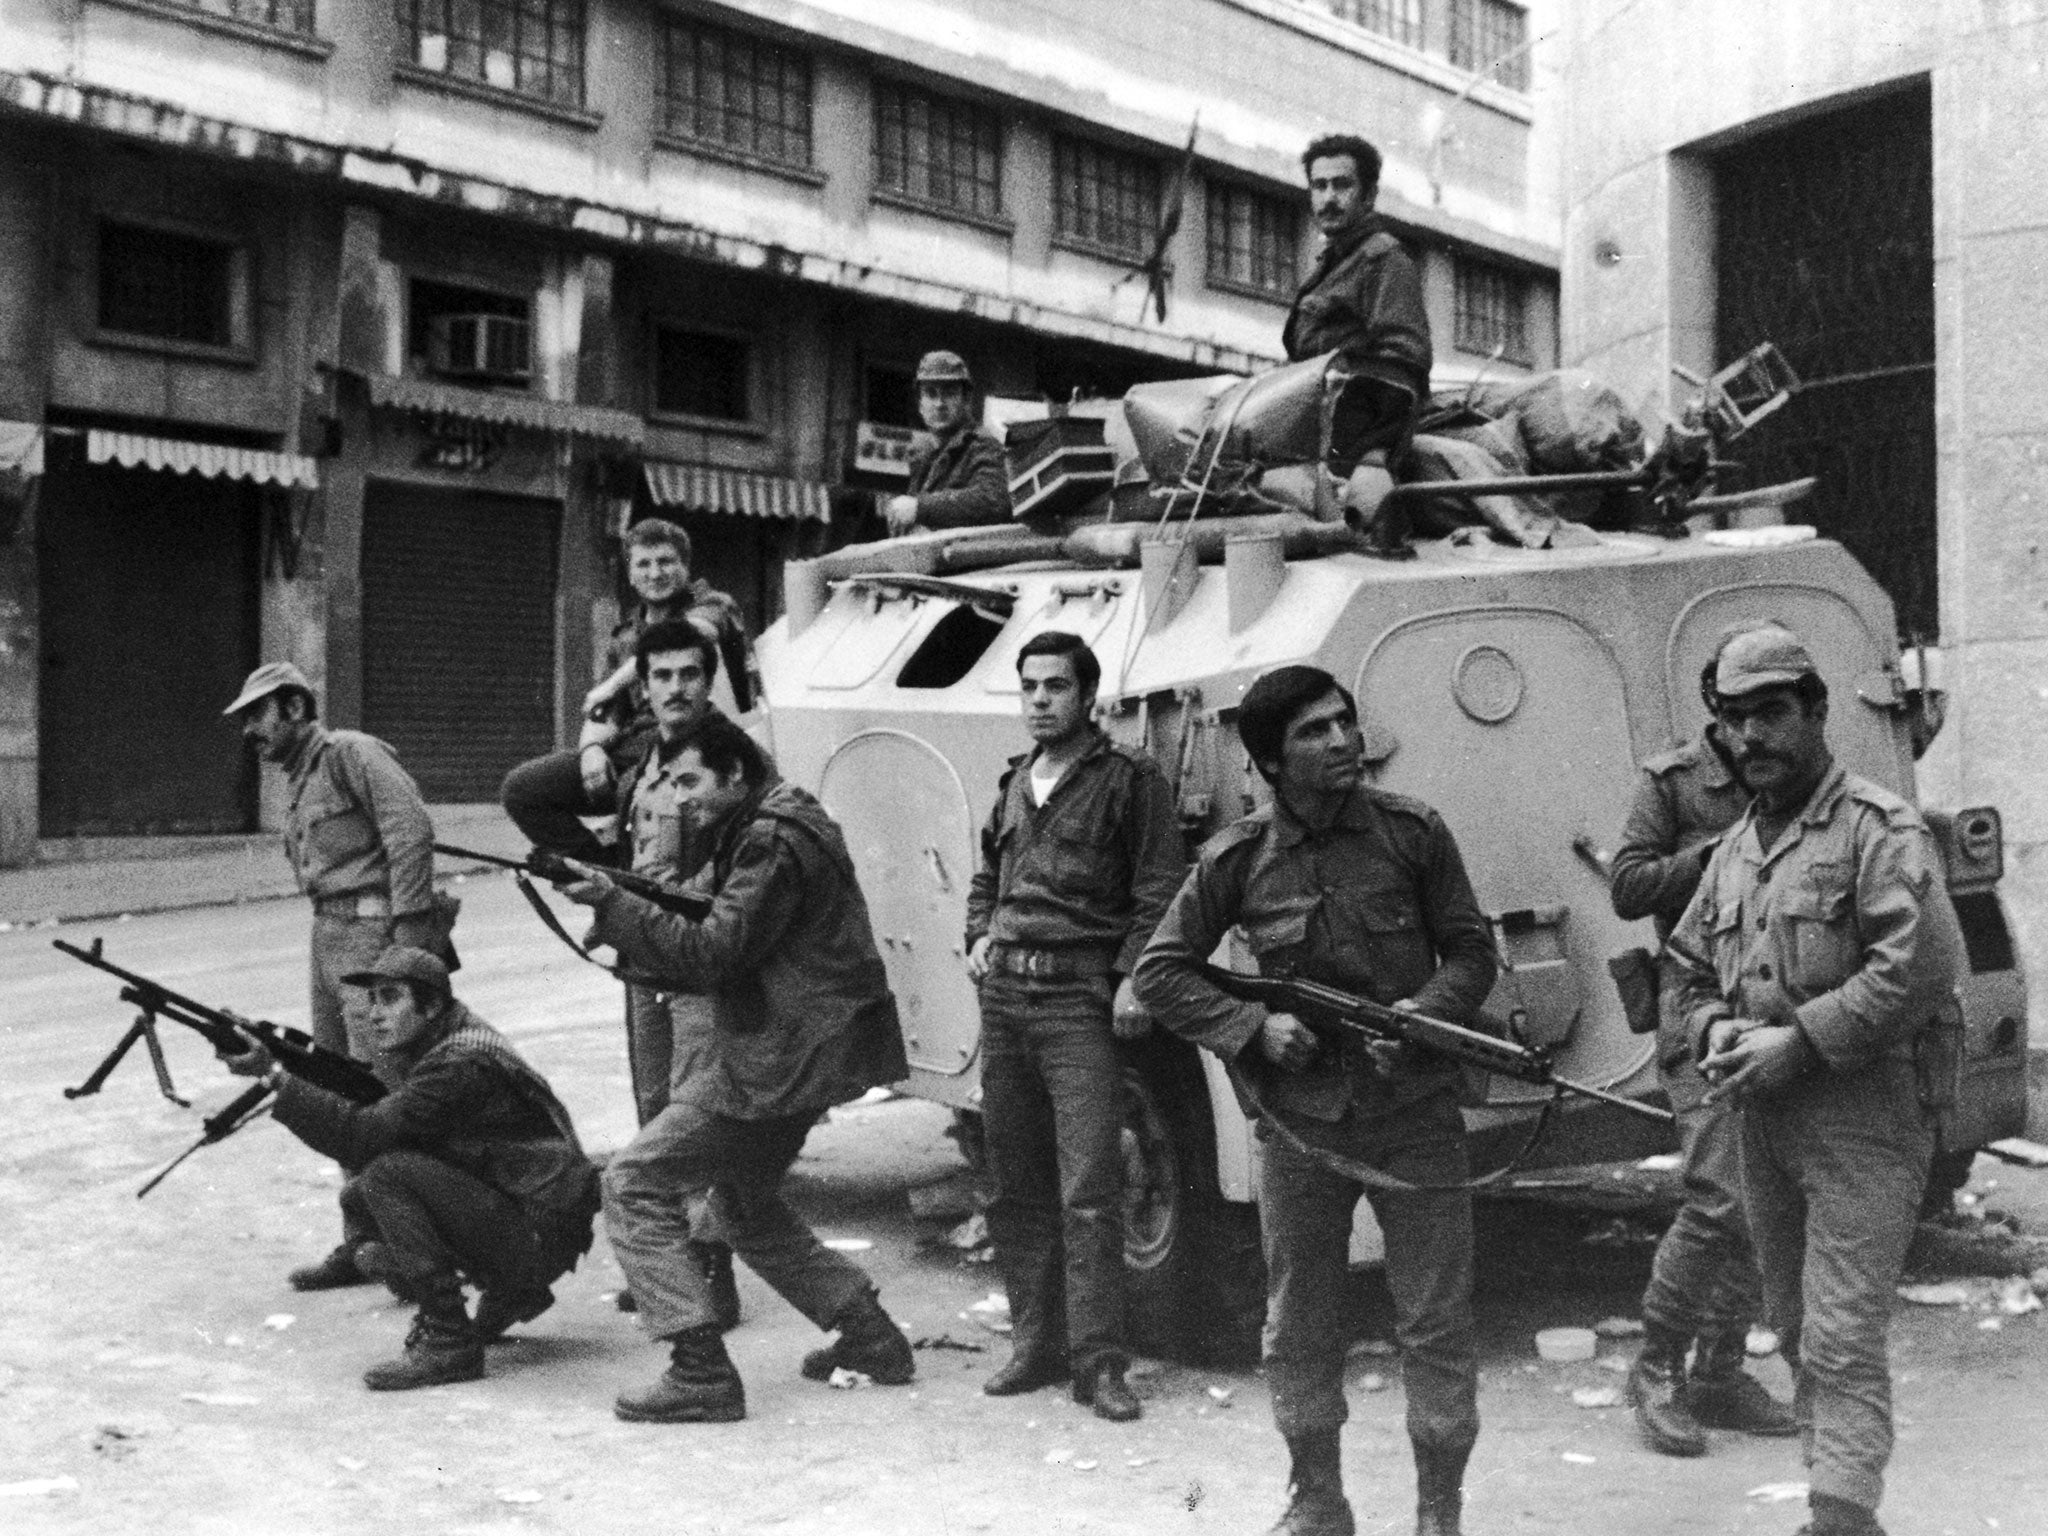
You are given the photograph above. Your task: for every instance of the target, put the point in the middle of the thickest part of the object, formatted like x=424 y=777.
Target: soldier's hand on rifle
x=1127 y=1016
x=1390 y=1055
x=256 y=1061
x=590 y=887
x=1753 y=1057
x=1287 y=1042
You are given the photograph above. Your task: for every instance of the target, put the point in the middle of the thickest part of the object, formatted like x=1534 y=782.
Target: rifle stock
x=556 y=870
x=294 y=1049
x=1324 y=1007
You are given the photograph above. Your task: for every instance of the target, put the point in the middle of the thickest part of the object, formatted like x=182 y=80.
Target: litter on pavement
x=36 y=1487
x=1778 y=1493
x=1946 y=1293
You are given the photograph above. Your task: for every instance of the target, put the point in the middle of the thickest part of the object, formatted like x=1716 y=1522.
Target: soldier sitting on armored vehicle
x=957 y=475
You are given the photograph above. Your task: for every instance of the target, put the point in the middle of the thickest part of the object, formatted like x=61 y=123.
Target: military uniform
x=360 y=842
x=804 y=1020
x=960 y=480
x=1378 y=903
x=1844 y=928
x=1067 y=892
x=1703 y=1282
x=1363 y=300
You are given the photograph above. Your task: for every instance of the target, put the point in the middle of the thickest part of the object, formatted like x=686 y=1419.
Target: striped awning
x=210 y=461
x=704 y=488
x=428 y=397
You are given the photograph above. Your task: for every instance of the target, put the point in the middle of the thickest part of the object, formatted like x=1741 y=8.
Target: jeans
x=686 y=1148
x=1704 y=1282
x=545 y=796
x=1305 y=1213
x=1052 y=1113
x=1832 y=1168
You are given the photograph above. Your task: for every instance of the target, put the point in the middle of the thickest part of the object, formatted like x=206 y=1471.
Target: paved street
x=154 y=1357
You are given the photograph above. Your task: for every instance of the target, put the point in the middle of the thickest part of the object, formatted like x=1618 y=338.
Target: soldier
x=1341 y=882
x=467 y=1169
x=1812 y=965
x=957 y=474
x=1362 y=301
x=547 y=797
x=1704 y=1291
x=360 y=842
x=669 y=1036
x=804 y=1021
x=1079 y=858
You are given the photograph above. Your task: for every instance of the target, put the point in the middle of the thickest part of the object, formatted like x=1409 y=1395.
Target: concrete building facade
x=1868 y=180
x=354 y=332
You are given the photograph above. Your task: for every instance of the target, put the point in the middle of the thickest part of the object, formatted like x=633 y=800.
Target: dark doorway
x=1825 y=246
x=459 y=633
x=148 y=587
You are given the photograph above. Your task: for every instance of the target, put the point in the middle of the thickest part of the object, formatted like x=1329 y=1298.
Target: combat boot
x=1439 y=1489
x=700 y=1385
x=869 y=1342
x=1103 y=1388
x=1653 y=1389
x=441 y=1347
x=1316 y=1505
x=1838 y=1517
x=714 y=1260
x=1722 y=1395
x=331 y=1273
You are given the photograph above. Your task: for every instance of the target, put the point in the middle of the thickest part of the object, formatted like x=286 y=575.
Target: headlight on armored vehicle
x=1980 y=843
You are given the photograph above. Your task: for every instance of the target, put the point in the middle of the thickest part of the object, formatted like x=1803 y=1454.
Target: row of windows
x=1487 y=37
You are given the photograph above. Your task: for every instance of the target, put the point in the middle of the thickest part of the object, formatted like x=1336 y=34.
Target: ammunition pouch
x=1635 y=978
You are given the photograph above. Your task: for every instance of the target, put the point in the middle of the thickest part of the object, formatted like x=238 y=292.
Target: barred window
x=284 y=15
x=534 y=47
x=938 y=150
x=1254 y=239
x=1400 y=20
x=1104 y=197
x=172 y=287
x=1484 y=32
x=1490 y=311
x=738 y=91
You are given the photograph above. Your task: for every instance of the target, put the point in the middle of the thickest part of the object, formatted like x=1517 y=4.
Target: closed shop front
x=458 y=627
x=148 y=586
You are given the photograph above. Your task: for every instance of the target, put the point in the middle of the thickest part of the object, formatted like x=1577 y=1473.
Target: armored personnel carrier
x=1515 y=689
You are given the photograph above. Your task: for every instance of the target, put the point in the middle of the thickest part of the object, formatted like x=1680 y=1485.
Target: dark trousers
x=1052 y=1102
x=545 y=797
x=1832 y=1172
x=442 y=1225
x=1305 y=1215
x=1703 y=1282
x=687 y=1148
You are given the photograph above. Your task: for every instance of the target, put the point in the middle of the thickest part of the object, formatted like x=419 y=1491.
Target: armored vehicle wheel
x=1194 y=1275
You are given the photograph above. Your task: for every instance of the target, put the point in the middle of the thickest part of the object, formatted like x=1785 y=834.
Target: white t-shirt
x=1044 y=781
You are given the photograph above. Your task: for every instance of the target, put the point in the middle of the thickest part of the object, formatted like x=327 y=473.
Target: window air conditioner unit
x=481 y=347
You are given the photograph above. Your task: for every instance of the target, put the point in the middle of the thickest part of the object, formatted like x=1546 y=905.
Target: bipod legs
x=143 y=1029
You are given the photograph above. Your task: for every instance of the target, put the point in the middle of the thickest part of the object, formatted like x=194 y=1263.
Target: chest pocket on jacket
x=1724 y=946
x=1820 y=929
x=337 y=830
x=1277 y=935
x=1078 y=862
x=1383 y=925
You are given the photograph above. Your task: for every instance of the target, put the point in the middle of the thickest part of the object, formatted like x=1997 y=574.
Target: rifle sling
x=1378 y=1178
x=554 y=925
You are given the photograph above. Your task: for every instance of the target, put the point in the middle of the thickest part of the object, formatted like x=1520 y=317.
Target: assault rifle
x=294 y=1049
x=556 y=870
x=1324 y=1009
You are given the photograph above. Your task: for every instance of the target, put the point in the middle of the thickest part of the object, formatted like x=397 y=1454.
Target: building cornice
x=102 y=109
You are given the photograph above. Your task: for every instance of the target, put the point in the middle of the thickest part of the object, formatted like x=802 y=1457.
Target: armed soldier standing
x=467 y=1169
x=1814 y=965
x=804 y=1020
x=957 y=475
x=1340 y=882
x=361 y=845
x=1079 y=859
x=1704 y=1291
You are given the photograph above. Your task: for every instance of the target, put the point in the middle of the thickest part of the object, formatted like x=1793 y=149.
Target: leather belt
x=1052 y=964
x=353 y=904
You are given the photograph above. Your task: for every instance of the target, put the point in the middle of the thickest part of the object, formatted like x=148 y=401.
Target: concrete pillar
x=24 y=383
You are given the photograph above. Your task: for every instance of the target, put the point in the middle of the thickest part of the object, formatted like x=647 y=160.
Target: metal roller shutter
x=459 y=633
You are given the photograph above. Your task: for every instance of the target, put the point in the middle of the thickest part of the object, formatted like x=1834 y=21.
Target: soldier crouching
x=469 y=1169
